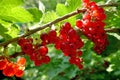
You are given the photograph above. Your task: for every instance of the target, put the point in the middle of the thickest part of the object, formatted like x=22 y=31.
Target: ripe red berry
x=21 y=61
x=27 y=48
x=3 y=64
x=58 y=43
x=38 y=62
x=86 y=1
x=80 y=66
x=9 y=70
x=79 y=53
x=52 y=36
x=87 y=16
x=44 y=38
x=43 y=50
x=66 y=27
x=21 y=41
x=52 y=33
x=79 y=23
x=46 y=59
x=19 y=73
x=71 y=60
x=33 y=56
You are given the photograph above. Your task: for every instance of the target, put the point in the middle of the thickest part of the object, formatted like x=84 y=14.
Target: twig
x=53 y=22
x=111 y=4
x=116 y=30
x=16 y=54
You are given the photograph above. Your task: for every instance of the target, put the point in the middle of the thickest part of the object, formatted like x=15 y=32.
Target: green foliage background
x=18 y=15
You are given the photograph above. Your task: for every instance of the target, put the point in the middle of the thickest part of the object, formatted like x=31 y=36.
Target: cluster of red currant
x=36 y=53
x=10 y=68
x=92 y=25
x=68 y=41
x=70 y=44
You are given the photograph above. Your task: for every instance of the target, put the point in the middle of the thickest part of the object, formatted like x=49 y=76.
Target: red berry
x=93 y=6
x=66 y=27
x=77 y=61
x=87 y=23
x=38 y=62
x=79 y=23
x=52 y=33
x=21 y=61
x=71 y=60
x=21 y=41
x=44 y=38
x=79 y=53
x=87 y=16
x=27 y=47
x=19 y=73
x=46 y=59
x=33 y=56
x=86 y=1
x=3 y=64
x=9 y=70
x=80 y=66
x=43 y=50
x=58 y=44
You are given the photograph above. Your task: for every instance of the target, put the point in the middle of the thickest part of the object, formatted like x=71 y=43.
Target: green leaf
x=113 y=45
x=11 y=10
x=4 y=28
x=3 y=32
x=71 y=20
x=8 y=30
x=113 y=18
x=37 y=14
x=1 y=39
x=16 y=14
x=73 y=5
x=97 y=1
x=5 y=24
x=61 y=9
x=13 y=31
x=115 y=59
x=71 y=72
x=60 y=77
x=49 y=16
x=69 y=6
x=10 y=3
x=87 y=52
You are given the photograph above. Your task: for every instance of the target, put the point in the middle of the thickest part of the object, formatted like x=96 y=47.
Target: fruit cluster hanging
x=92 y=25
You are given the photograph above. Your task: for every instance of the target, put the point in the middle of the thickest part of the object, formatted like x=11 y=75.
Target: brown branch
x=53 y=22
x=113 y=30
x=16 y=54
x=111 y=4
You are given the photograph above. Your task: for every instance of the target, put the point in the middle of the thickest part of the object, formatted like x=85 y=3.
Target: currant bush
x=68 y=41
